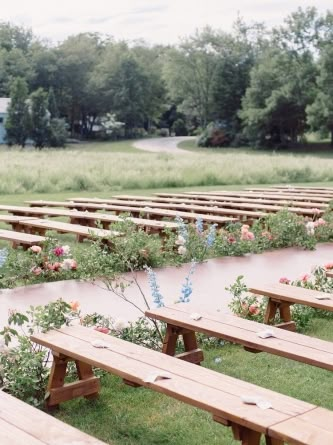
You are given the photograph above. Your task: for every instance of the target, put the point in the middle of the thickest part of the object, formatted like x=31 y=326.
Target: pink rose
x=320 y=222
x=284 y=280
x=253 y=309
x=316 y=211
x=328 y=266
x=247 y=236
x=58 y=251
x=35 y=249
x=305 y=277
x=231 y=239
x=36 y=270
x=102 y=329
x=267 y=235
x=74 y=305
x=244 y=228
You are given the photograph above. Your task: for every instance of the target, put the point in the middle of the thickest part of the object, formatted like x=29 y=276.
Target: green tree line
x=254 y=85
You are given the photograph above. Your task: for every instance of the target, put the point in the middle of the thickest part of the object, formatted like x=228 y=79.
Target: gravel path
x=163 y=145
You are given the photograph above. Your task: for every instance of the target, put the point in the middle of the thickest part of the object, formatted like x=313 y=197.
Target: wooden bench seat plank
x=19 y=421
x=305 y=191
x=14 y=218
x=19 y=238
x=294 y=294
x=237 y=330
x=314 y=428
x=62 y=227
x=86 y=216
x=198 y=386
x=147 y=211
x=275 y=196
x=134 y=200
x=10 y=434
x=190 y=206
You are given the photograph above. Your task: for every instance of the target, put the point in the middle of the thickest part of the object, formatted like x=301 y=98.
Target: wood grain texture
x=21 y=424
x=287 y=344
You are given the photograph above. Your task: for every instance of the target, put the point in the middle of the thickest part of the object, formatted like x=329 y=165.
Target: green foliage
x=40 y=118
x=57 y=133
x=18 y=119
x=214 y=135
x=253 y=307
x=24 y=368
x=179 y=127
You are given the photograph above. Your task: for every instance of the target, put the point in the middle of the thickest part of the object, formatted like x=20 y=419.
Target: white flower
x=119 y=324
x=66 y=249
x=182 y=250
x=180 y=241
x=67 y=264
x=310 y=228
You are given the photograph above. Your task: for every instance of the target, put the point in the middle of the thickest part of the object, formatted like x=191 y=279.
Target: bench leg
x=271 y=441
x=245 y=435
x=57 y=392
x=271 y=310
x=192 y=353
x=170 y=340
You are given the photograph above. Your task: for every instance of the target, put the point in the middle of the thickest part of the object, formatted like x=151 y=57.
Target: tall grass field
x=117 y=166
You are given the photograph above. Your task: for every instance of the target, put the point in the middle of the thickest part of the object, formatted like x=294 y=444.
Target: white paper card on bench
x=195 y=316
x=154 y=376
x=267 y=333
x=255 y=400
x=99 y=344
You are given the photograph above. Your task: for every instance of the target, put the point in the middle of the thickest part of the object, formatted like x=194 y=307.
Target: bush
x=179 y=128
x=164 y=132
x=58 y=133
x=214 y=136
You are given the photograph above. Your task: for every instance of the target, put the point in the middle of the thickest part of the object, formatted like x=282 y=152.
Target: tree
x=320 y=112
x=52 y=104
x=129 y=88
x=190 y=71
x=18 y=119
x=40 y=118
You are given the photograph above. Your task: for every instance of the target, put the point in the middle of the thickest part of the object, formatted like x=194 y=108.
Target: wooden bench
x=148 y=211
x=119 y=206
x=211 y=391
x=282 y=296
x=306 y=191
x=252 y=195
x=22 y=424
x=24 y=240
x=234 y=329
x=206 y=201
x=41 y=226
x=89 y=218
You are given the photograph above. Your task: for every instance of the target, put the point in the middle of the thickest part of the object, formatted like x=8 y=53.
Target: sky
x=155 y=21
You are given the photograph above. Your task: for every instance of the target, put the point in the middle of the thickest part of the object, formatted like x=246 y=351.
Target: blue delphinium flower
x=211 y=235
x=199 y=225
x=187 y=290
x=154 y=288
x=182 y=228
x=3 y=257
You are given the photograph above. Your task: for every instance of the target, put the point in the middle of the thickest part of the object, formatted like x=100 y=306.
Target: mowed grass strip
x=128 y=416
x=117 y=167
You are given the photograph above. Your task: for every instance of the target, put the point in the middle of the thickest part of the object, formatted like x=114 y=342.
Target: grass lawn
x=126 y=416
x=117 y=167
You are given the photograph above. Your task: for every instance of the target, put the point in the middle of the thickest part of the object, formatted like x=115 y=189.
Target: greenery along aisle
x=137 y=249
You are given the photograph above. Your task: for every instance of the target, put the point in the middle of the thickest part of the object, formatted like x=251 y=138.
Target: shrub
x=214 y=136
x=57 y=133
x=179 y=128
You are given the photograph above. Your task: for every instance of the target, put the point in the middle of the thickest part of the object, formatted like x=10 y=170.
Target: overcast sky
x=156 y=21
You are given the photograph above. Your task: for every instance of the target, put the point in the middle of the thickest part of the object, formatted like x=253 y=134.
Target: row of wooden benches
x=208 y=211
x=288 y=420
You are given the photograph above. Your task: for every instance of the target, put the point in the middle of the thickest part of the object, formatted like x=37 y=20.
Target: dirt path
x=163 y=145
